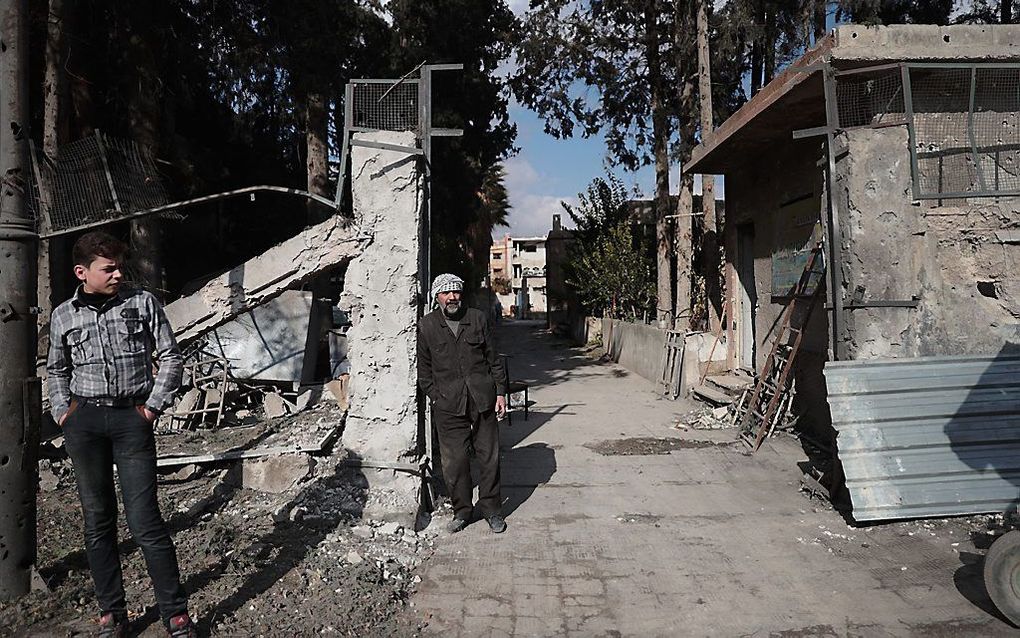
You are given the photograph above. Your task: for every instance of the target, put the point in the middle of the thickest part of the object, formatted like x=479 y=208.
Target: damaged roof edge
x=791 y=77
x=849 y=46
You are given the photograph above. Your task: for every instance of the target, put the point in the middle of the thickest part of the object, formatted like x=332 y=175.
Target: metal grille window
x=870 y=97
x=384 y=105
x=963 y=121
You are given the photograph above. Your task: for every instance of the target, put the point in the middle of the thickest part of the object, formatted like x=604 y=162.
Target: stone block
x=274 y=474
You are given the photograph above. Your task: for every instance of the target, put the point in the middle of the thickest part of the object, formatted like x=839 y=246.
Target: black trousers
x=458 y=435
x=97 y=437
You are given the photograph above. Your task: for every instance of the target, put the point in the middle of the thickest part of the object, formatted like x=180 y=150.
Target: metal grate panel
x=941 y=113
x=964 y=122
x=96 y=179
x=870 y=98
x=385 y=106
x=996 y=127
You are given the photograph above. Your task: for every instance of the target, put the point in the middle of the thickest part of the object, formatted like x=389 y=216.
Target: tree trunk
x=819 y=18
x=758 y=47
x=660 y=142
x=1006 y=11
x=144 y=92
x=684 y=221
x=769 y=46
x=19 y=387
x=710 y=240
x=317 y=151
x=53 y=134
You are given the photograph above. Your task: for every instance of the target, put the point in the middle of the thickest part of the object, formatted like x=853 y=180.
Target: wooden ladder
x=758 y=414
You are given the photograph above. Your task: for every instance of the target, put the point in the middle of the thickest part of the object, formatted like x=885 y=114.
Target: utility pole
x=19 y=387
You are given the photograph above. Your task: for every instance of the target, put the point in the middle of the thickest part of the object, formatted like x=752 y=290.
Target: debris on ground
x=248 y=556
x=706 y=418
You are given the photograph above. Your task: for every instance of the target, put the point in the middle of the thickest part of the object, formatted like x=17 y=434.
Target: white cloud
x=531 y=214
x=520 y=174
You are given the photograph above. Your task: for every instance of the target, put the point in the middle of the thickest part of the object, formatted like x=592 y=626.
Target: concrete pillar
x=380 y=293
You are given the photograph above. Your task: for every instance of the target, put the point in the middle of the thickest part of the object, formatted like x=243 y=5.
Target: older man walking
x=459 y=371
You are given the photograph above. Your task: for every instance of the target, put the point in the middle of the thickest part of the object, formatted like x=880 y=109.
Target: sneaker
x=182 y=627
x=112 y=627
x=496 y=523
x=456 y=525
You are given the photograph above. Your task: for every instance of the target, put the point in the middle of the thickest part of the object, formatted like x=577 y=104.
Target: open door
x=747 y=297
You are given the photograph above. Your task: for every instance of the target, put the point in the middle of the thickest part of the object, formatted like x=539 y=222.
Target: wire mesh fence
x=870 y=98
x=996 y=127
x=943 y=158
x=385 y=106
x=964 y=122
x=94 y=180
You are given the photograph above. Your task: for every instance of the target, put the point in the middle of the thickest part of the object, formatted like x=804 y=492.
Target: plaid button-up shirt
x=108 y=352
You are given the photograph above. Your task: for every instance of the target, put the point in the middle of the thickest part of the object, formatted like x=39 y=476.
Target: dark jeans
x=457 y=435
x=96 y=438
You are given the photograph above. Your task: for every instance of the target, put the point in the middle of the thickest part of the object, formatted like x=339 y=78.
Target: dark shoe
x=182 y=627
x=456 y=525
x=496 y=523
x=112 y=627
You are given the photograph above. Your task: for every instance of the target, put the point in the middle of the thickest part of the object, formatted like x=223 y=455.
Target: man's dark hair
x=97 y=244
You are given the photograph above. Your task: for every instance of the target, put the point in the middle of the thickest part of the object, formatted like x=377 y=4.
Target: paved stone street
x=697 y=542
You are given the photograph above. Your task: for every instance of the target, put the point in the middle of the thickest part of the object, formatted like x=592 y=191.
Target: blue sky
x=548 y=171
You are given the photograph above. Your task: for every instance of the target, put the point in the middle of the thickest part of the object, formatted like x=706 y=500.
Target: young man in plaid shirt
x=105 y=395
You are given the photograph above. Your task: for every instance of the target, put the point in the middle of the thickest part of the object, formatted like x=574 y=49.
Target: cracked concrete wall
x=948 y=253
x=380 y=293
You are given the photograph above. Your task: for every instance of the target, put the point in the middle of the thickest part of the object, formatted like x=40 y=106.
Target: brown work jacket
x=451 y=367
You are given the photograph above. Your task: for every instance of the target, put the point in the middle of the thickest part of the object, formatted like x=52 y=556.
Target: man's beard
x=452 y=308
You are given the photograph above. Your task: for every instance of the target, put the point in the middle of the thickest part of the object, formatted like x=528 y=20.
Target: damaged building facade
x=257 y=318
x=895 y=152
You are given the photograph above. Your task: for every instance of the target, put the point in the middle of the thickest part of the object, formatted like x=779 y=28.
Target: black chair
x=514 y=387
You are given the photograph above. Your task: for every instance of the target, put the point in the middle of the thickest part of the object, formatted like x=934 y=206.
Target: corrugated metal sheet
x=926 y=437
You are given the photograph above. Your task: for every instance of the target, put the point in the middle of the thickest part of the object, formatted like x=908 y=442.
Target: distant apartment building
x=517 y=275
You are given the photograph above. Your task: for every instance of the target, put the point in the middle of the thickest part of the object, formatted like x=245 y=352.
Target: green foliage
x=611 y=264
x=583 y=67
x=468 y=195
x=224 y=86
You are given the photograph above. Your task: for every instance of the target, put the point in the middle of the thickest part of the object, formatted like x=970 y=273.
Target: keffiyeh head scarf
x=446 y=283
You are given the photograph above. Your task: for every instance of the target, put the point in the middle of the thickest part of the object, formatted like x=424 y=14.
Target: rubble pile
x=268 y=546
x=706 y=418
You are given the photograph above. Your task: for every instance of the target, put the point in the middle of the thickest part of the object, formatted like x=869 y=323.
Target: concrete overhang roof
x=795 y=99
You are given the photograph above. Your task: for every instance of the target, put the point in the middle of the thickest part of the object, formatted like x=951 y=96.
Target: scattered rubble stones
x=250 y=566
x=706 y=418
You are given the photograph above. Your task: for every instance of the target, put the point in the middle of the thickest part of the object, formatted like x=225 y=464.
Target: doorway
x=747 y=297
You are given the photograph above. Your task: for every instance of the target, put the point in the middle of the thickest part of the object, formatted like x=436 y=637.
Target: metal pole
x=833 y=240
x=19 y=388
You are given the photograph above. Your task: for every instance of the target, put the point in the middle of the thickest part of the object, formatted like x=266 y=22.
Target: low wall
x=637 y=347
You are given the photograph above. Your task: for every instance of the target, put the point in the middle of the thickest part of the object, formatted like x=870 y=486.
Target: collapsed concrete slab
x=380 y=293
x=284 y=266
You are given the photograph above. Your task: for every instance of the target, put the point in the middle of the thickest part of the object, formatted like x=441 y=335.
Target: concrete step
x=731 y=383
x=712 y=395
